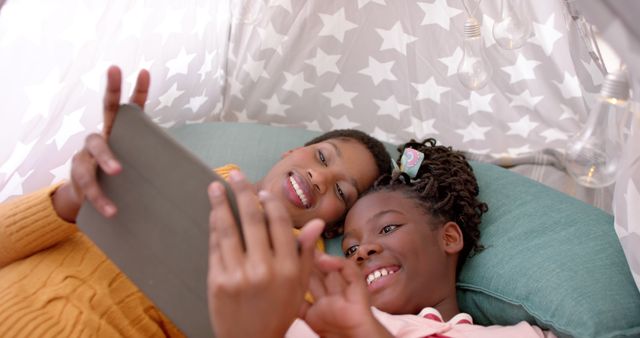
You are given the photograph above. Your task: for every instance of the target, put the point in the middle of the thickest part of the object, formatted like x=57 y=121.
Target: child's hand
x=342 y=307
x=96 y=152
x=256 y=292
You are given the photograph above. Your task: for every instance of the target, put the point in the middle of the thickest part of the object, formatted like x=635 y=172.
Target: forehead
x=378 y=204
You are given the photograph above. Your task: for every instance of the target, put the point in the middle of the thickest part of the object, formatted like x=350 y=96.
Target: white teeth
x=377 y=274
x=299 y=192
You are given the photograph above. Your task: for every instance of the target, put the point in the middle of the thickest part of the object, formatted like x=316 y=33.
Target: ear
x=452 y=239
x=288 y=152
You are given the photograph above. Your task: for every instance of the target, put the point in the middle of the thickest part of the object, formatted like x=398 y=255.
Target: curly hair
x=445 y=187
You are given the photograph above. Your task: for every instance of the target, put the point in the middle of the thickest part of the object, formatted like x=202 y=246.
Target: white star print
x=296 y=83
x=271 y=39
x=96 y=78
x=274 y=106
x=342 y=123
x=473 y=132
x=362 y=3
x=71 y=126
x=429 y=90
x=421 y=128
x=479 y=151
x=521 y=70
x=567 y=113
x=478 y=103
x=453 y=61
x=596 y=74
x=553 y=134
x=523 y=127
x=487 y=30
x=243 y=116
x=545 y=35
x=570 y=86
x=384 y=136
x=324 y=63
x=61 y=172
x=390 y=106
x=172 y=24
x=335 y=25
x=196 y=102
x=339 y=96
x=82 y=28
x=17 y=157
x=207 y=65
x=514 y=152
x=438 y=12
x=395 y=38
x=313 y=125
x=14 y=185
x=254 y=68
x=286 y=4
x=133 y=20
x=235 y=88
x=180 y=64
x=203 y=18
x=525 y=99
x=379 y=71
x=42 y=95
x=167 y=99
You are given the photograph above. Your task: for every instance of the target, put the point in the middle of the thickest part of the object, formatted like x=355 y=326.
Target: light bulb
x=594 y=154
x=513 y=29
x=474 y=70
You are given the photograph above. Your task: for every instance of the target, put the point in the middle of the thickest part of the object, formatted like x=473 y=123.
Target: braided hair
x=445 y=187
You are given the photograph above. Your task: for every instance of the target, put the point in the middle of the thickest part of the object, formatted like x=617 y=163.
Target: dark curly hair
x=446 y=187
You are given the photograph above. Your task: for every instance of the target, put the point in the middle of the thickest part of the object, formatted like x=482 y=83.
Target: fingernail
x=109 y=210
x=262 y=194
x=215 y=189
x=236 y=175
x=113 y=165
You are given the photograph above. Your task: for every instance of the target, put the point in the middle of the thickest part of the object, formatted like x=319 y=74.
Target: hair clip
x=410 y=161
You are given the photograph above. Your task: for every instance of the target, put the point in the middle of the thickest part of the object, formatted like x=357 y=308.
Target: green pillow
x=550 y=260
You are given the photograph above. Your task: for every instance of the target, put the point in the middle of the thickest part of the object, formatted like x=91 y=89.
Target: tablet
x=159 y=237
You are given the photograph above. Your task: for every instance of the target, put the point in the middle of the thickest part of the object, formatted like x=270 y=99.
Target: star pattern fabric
x=385 y=67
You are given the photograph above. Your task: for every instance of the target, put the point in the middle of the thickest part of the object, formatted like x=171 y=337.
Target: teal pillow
x=550 y=260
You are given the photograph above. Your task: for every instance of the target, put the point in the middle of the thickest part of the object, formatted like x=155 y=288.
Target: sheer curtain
x=53 y=64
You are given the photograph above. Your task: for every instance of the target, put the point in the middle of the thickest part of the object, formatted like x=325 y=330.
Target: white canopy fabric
x=387 y=67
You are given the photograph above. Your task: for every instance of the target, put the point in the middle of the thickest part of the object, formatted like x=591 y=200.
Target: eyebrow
x=374 y=216
x=352 y=180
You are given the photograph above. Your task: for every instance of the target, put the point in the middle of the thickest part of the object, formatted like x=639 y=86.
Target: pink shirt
x=429 y=323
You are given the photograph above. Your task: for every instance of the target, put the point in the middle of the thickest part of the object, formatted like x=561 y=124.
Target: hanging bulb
x=593 y=155
x=474 y=70
x=513 y=29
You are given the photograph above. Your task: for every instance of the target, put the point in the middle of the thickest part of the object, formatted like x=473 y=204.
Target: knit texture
x=54 y=282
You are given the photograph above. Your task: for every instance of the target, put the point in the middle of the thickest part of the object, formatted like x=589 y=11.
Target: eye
x=321 y=157
x=341 y=193
x=350 y=251
x=389 y=228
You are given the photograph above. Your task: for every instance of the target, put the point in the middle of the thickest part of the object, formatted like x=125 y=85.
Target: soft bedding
x=382 y=66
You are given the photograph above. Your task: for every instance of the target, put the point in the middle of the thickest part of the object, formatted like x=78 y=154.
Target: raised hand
x=342 y=307
x=96 y=152
x=256 y=291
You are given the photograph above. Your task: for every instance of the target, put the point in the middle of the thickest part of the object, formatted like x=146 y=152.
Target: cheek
x=331 y=209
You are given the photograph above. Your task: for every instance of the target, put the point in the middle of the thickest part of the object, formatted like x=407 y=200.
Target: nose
x=321 y=179
x=365 y=251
